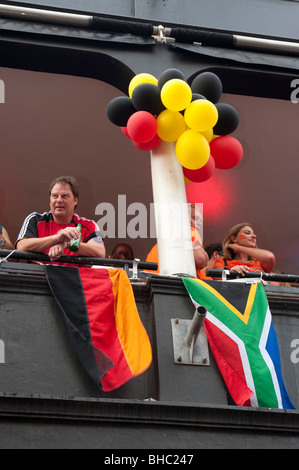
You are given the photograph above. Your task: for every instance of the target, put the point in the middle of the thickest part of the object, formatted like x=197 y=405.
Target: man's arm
x=56 y=242
x=36 y=244
x=43 y=243
x=200 y=256
x=92 y=248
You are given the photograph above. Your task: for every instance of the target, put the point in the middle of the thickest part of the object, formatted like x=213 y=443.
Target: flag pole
x=171 y=212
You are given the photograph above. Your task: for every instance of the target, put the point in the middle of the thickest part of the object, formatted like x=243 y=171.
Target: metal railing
x=76 y=260
x=278 y=277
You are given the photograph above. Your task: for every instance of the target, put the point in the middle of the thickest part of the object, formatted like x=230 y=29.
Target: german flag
x=99 y=309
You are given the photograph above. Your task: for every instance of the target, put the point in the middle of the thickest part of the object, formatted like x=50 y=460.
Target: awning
x=243 y=56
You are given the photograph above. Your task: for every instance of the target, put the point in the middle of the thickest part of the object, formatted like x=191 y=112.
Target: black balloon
x=198 y=96
x=169 y=74
x=119 y=110
x=146 y=97
x=228 y=119
x=209 y=85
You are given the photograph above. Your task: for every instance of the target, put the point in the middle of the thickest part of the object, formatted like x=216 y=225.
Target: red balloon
x=150 y=145
x=125 y=132
x=142 y=126
x=201 y=174
x=226 y=151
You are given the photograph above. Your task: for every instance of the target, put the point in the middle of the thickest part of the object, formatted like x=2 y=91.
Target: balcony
x=45 y=390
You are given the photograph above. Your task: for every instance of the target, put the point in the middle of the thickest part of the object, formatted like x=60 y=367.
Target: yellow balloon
x=170 y=125
x=141 y=78
x=208 y=135
x=192 y=149
x=201 y=115
x=176 y=94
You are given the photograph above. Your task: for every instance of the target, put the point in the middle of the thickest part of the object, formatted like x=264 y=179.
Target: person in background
x=196 y=224
x=5 y=242
x=200 y=256
x=51 y=232
x=196 y=218
x=122 y=251
x=241 y=253
x=214 y=252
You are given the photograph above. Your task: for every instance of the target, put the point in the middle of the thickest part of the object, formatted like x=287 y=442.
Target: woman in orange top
x=241 y=253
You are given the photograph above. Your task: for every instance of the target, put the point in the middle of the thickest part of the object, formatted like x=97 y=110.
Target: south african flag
x=241 y=336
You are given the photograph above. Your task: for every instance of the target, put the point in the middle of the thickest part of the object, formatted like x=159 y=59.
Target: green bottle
x=75 y=242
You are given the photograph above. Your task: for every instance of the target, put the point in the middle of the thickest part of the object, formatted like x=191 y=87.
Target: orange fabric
x=131 y=332
x=201 y=274
x=253 y=265
x=153 y=257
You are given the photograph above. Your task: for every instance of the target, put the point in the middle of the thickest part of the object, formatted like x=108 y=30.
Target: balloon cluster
x=170 y=109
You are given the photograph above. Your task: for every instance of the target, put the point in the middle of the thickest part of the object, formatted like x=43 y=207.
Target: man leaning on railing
x=51 y=232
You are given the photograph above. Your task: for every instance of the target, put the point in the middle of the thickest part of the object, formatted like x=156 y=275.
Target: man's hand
x=57 y=250
x=67 y=234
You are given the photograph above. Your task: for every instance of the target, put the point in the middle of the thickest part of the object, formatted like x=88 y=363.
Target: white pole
x=171 y=212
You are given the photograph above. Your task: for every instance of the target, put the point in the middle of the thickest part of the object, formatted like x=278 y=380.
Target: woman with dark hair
x=241 y=253
x=122 y=251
